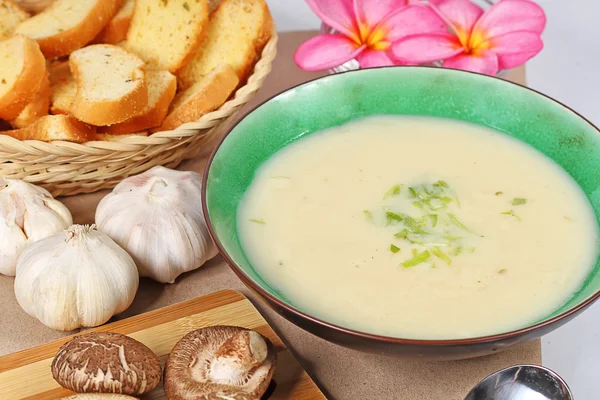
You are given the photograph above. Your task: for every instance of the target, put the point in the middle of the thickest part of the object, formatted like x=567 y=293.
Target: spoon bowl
x=522 y=382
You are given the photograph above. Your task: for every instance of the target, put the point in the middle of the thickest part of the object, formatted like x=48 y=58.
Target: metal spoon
x=522 y=382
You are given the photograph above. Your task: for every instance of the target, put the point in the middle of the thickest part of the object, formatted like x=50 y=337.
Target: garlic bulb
x=157 y=217
x=27 y=213
x=76 y=278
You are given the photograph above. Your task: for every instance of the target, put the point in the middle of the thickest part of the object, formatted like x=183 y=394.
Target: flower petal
x=515 y=48
x=426 y=48
x=460 y=15
x=326 y=51
x=411 y=20
x=338 y=14
x=374 y=58
x=484 y=63
x=370 y=13
x=511 y=16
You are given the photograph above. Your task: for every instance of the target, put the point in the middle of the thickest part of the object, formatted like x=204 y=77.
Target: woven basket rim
x=183 y=131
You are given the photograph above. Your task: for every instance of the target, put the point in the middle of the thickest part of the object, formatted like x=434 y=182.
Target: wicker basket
x=66 y=168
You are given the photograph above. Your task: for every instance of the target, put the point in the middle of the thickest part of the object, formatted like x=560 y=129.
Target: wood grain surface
x=27 y=375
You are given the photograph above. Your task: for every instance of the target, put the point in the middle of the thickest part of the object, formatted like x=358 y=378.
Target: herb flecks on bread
x=236 y=34
x=111 y=84
x=67 y=25
x=203 y=97
x=22 y=70
x=166 y=33
x=10 y=17
x=161 y=91
x=116 y=30
x=56 y=127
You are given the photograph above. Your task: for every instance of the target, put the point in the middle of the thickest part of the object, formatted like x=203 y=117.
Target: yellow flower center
x=475 y=43
x=374 y=39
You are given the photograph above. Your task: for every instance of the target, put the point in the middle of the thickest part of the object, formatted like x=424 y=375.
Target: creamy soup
x=418 y=228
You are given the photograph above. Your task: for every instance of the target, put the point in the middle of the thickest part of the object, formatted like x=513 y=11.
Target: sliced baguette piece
x=203 y=97
x=116 y=30
x=55 y=127
x=22 y=69
x=67 y=25
x=111 y=84
x=236 y=34
x=167 y=33
x=162 y=86
x=63 y=88
x=11 y=15
x=37 y=108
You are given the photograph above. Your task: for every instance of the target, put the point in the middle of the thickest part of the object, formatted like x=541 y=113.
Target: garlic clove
x=40 y=222
x=12 y=242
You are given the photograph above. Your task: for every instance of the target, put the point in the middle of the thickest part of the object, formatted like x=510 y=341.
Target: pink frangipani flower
x=505 y=36
x=365 y=31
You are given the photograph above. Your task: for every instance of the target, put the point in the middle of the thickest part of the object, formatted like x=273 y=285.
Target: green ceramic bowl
x=545 y=124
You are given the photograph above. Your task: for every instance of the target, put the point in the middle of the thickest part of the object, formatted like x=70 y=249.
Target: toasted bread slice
x=116 y=30
x=22 y=69
x=33 y=6
x=167 y=33
x=162 y=86
x=205 y=96
x=11 y=16
x=67 y=25
x=63 y=88
x=111 y=84
x=236 y=34
x=37 y=108
x=56 y=127
x=108 y=137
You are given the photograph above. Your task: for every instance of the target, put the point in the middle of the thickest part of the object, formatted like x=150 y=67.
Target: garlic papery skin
x=27 y=213
x=157 y=217
x=76 y=278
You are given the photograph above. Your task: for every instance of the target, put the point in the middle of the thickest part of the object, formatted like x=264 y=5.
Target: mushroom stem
x=236 y=357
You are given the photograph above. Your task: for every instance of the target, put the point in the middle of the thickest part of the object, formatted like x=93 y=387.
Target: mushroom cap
x=98 y=396
x=105 y=362
x=220 y=362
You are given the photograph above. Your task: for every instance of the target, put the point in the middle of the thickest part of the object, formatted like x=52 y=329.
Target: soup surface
x=418 y=227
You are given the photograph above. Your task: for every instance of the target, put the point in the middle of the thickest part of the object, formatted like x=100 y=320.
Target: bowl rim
x=573 y=311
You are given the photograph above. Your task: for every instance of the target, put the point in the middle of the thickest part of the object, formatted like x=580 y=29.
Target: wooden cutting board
x=26 y=374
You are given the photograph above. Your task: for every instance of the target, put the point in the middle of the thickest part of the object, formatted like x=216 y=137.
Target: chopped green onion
x=257 y=221
x=499 y=193
x=446 y=199
x=392 y=216
x=417 y=204
x=394 y=249
x=369 y=215
x=443 y=184
x=456 y=222
x=412 y=191
x=457 y=251
x=413 y=225
x=434 y=219
x=512 y=214
x=417 y=259
x=440 y=254
x=394 y=191
x=517 y=201
x=415 y=252
x=403 y=234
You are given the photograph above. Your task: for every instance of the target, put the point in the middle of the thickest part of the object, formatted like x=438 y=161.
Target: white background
x=568 y=69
